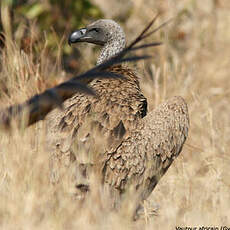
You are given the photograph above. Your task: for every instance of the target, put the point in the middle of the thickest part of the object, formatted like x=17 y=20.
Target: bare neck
x=114 y=45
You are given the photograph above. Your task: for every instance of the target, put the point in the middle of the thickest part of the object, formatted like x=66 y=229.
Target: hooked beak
x=78 y=36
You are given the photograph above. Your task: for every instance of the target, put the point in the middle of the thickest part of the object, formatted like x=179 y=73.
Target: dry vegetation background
x=194 y=62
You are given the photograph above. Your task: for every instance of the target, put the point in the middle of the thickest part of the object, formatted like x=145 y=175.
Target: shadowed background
x=193 y=62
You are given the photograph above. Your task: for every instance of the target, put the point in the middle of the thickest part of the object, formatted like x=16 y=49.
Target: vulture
x=112 y=134
x=103 y=125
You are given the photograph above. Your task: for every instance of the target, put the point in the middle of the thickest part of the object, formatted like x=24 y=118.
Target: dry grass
x=193 y=63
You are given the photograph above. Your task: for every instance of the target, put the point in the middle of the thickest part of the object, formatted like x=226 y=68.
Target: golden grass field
x=194 y=62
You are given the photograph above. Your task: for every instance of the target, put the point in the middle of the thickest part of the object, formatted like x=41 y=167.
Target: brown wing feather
x=114 y=113
x=144 y=157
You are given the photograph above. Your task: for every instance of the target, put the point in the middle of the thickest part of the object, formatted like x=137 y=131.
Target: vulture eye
x=82 y=31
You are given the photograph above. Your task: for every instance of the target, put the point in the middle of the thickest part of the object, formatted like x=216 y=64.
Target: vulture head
x=103 y=32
